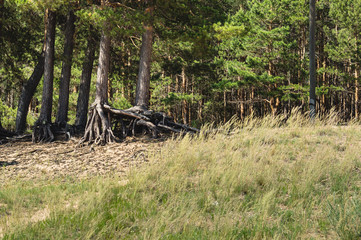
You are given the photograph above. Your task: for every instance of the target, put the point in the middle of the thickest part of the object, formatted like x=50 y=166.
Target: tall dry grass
x=271 y=178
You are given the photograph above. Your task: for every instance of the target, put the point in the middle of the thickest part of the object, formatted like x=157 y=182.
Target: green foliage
x=120 y=102
x=8 y=116
x=236 y=57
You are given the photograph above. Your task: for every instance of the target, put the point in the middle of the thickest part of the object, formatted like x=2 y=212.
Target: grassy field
x=260 y=179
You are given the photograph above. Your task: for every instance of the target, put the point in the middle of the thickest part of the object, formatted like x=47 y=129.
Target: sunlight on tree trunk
x=98 y=129
x=143 y=83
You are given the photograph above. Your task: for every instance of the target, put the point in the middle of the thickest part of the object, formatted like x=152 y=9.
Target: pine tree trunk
x=184 y=91
x=191 y=103
x=85 y=80
x=27 y=93
x=42 y=131
x=47 y=100
x=224 y=106
x=177 y=87
x=103 y=70
x=356 y=92
x=243 y=99
x=63 y=104
x=312 y=50
x=29 y=88
x=98 y=127
x=143 y=83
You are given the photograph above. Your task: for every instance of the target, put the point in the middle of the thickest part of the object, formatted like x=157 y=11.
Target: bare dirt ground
x=27 y=161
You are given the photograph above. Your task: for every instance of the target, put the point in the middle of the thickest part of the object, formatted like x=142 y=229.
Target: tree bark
x=84 y=88
x=47 y=100
x=224 y=106
x=98 y=129
x=356 y=92
x=143 y=83
x=27 y=93
x=103 y=70
x=312 y=59
x=184 y=91
x=29 y=88
x=42 y=131
x=63 y=104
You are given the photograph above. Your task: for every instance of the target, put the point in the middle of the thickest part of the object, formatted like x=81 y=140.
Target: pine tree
x=63 y=104
x=42 y=130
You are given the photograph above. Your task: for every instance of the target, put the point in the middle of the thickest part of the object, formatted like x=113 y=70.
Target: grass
x=259 y=179
x=25 y=203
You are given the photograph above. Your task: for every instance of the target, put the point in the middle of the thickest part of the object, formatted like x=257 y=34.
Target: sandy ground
x=26 y=160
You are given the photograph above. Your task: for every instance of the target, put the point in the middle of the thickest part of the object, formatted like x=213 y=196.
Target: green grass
x=260 y=179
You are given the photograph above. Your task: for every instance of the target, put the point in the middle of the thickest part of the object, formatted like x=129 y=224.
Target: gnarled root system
x=42 y=132
x=98 y=129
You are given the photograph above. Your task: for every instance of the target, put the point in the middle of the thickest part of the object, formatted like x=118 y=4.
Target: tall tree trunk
x=356 y=92
x=42 y=130
x=98 y=127
x=142 y=90
x=312 y=59
x=224 y=106
x=63 y=104
x=103 y=70
x=184 y=91
x=47 y=100
x=191 y=103
x=29 y=88
x=85 y=80
x=27 y=93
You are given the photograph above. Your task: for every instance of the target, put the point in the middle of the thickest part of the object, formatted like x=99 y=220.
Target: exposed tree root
x=105 y=122
x=42 y=132
x=98 y=129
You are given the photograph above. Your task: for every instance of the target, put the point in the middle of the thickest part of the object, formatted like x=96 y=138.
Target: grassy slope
x=261 y=181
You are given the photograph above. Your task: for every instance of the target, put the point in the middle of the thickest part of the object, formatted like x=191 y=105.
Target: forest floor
x=59 y=159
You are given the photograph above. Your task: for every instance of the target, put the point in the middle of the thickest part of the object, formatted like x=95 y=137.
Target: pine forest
x=203 y=61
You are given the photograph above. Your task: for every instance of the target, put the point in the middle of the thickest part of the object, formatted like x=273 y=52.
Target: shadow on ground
x=5 y=164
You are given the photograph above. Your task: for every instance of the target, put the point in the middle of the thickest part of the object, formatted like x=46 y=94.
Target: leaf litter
x=29 y=161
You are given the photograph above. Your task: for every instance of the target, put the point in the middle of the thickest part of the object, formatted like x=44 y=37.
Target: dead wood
x=107 y=124
x=133 y=121
x=126 y=113
x=169 y=128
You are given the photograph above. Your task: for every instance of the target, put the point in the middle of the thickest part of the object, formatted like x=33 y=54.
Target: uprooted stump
x=107 y=124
